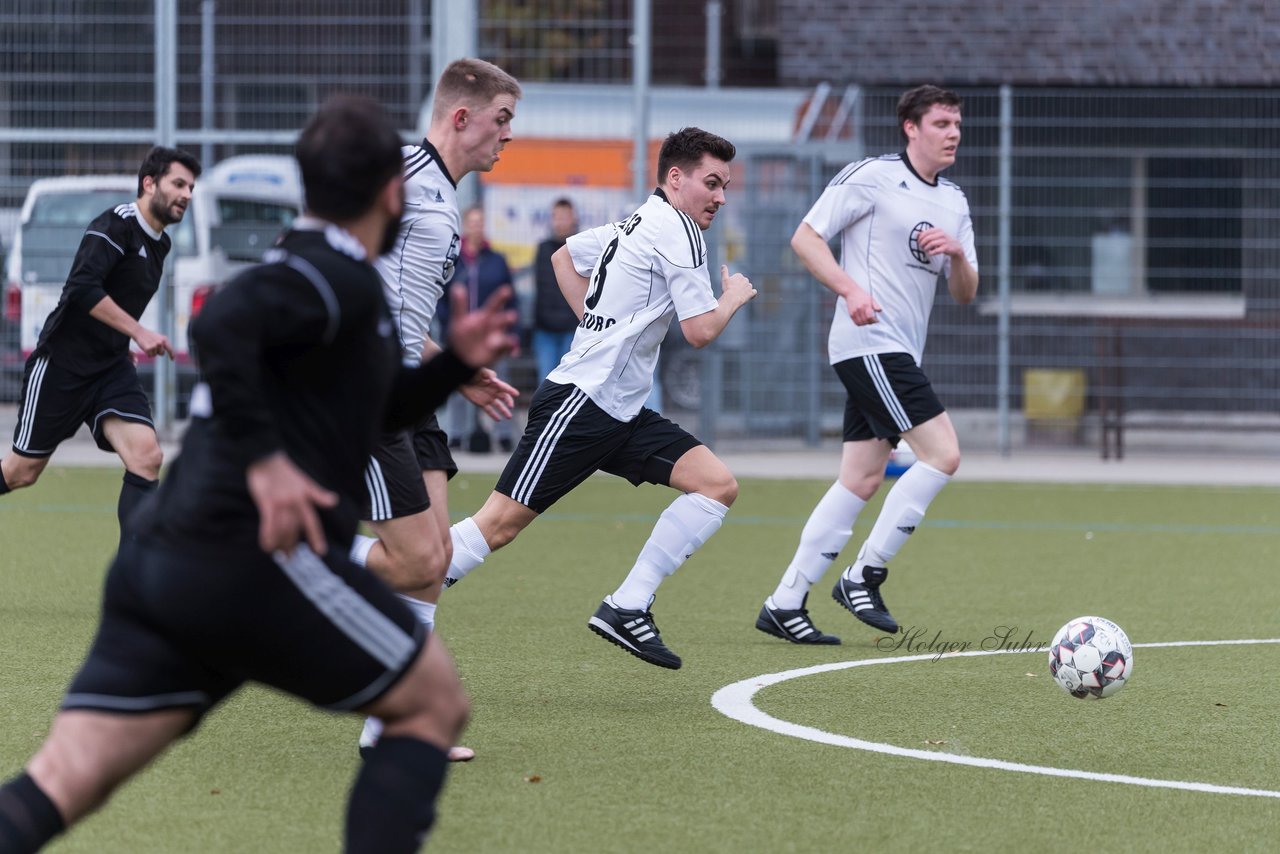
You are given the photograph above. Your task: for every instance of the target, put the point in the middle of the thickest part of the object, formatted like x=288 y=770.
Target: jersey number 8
x=597 y=281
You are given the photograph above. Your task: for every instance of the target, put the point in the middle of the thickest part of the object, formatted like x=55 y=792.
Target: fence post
x=166 y=119
x=1002 y=268
x=641 y=40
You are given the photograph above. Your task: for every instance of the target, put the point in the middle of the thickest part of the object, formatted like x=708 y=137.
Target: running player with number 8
x=626 y=281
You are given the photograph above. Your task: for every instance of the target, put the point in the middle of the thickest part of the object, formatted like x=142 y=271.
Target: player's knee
x=946 y=461
x=21 y=477
x=864 y=485
x=722 y=487
x=145 y=461
x=416 y=566
x=152 y=460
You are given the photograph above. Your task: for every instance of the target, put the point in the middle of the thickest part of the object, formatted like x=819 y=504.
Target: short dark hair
x=347 y=153
x=914 y=103
x=563 y=202
x=158 y=160
x=684 y=149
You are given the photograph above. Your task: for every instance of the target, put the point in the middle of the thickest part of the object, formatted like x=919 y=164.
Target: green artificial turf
x=584 y=748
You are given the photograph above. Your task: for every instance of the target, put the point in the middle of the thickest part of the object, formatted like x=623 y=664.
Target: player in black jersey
x=238 y=569
x=81 y=371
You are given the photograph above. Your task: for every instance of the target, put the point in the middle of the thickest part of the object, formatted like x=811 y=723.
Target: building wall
x=1031 y=42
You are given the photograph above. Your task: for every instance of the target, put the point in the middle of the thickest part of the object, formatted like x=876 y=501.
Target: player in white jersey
x=626 y=281
x=900 y=226
x=407 y=476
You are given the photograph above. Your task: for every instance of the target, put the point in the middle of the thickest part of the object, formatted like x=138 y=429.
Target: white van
x=238 y=208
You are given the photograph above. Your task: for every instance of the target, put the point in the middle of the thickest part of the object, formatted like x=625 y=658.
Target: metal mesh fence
x=1143 y=225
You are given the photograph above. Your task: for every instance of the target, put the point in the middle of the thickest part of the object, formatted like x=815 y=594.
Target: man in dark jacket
x=553 y=320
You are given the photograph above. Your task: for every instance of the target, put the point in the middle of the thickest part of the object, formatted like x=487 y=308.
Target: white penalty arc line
x=735 y=701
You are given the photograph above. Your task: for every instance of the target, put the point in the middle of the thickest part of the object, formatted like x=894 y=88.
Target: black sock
x=28 y=819
x=393 y=801
x=136 y=487
x=4 y=487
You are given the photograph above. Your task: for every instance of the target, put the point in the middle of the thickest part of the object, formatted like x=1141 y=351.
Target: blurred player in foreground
x=239 y=569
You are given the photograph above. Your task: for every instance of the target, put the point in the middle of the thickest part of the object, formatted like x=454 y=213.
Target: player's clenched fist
x=737 y=285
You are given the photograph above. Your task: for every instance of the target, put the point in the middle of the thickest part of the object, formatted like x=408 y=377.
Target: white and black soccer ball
x=1091 y=657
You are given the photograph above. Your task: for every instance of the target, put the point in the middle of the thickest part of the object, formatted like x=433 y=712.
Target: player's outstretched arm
x=735 y=292
x=812 y=250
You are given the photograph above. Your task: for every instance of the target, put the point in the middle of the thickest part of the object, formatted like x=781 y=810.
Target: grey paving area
x=1243 y=466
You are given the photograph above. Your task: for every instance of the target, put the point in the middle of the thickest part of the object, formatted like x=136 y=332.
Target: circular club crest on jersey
x=913 y=242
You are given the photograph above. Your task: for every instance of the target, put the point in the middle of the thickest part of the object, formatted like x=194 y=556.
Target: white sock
x=369 y=734
x=682 y=528
x=424 y=611
x=360 y=549
x=904 y=509
x=469 y=549
x=829 y=527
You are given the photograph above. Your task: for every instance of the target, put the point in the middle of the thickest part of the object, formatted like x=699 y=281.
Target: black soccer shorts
x=393 y=480
x=55 y=402
x=431 y=444
x=888 y=395
x=185 y=627
x=568 y=438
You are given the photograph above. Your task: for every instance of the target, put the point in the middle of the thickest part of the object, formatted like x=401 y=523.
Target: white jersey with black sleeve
x=878 y=207
x=416 y=270
x=642 y=271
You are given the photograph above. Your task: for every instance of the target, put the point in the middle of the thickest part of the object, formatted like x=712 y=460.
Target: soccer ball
x=1091 y=657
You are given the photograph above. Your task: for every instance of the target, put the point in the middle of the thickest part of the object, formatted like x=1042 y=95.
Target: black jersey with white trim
x=642 y=272
x=297 y=355
x=121 y=257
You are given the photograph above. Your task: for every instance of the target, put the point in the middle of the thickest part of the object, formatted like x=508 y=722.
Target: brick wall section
x=1031 y=42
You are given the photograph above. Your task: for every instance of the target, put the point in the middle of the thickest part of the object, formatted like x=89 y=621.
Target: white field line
x=735 y=701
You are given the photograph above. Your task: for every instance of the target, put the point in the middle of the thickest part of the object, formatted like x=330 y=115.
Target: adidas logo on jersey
x=903 y=185
x=142 y=251
x=439 y=198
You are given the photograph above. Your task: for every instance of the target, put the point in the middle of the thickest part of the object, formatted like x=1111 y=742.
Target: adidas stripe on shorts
x=888 y=395
x=568 y=438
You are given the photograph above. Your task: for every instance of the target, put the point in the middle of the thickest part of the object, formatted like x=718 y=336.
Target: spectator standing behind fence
x=554 y=322
x=482 y=271
x=910 y=226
